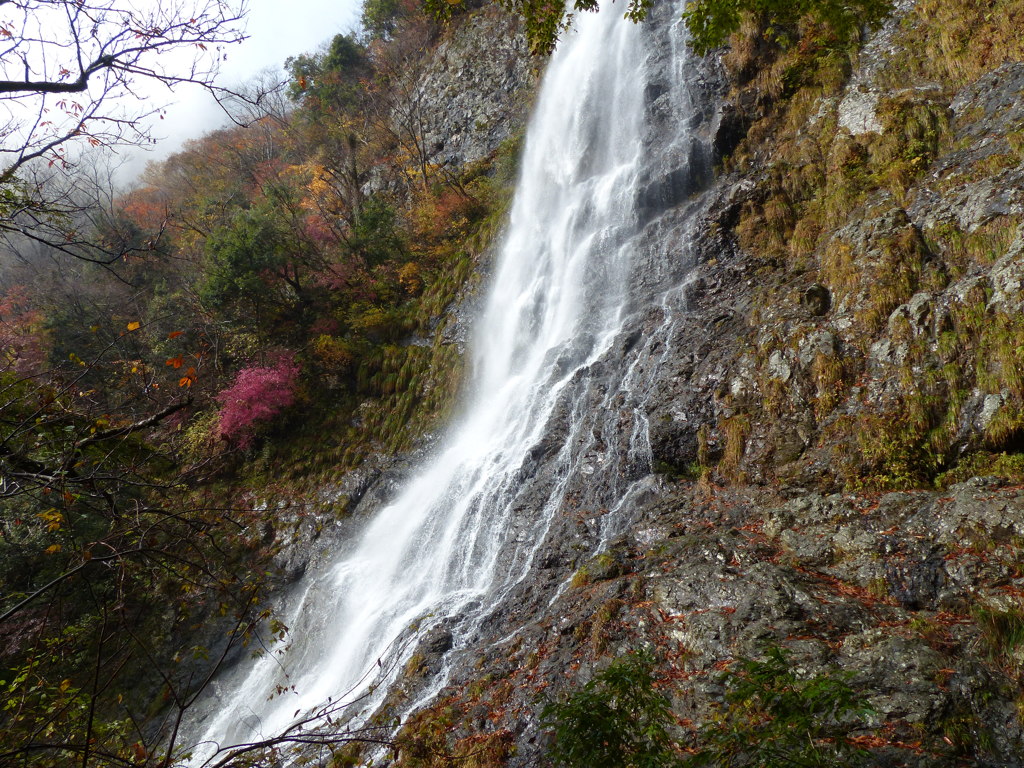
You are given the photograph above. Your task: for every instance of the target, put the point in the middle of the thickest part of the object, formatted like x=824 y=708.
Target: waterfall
x=461 y=535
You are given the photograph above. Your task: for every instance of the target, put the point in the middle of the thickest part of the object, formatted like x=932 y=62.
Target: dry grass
x=830 y=383
x=735 y=430
x=955 y=43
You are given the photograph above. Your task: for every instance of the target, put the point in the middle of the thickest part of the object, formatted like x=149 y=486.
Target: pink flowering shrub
x=258 y=394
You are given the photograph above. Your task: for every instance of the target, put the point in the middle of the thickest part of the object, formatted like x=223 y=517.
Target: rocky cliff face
x=833 y=392
x=475 y=88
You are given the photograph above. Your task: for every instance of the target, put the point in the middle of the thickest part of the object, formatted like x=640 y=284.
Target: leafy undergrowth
x=771 y=717
x=618 y=718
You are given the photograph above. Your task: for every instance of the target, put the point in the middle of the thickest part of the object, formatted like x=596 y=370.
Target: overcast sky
x=276 y=31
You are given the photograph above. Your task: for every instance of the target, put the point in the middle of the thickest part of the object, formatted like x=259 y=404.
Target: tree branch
x=150 y=421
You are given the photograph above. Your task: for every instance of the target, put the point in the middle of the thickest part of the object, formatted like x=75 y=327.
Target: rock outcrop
x=474 y=91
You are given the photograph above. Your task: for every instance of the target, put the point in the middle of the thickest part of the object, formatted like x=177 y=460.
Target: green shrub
x=772 y=718
x=617 y=719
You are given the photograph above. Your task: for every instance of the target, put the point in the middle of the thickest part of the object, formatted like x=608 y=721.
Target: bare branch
x=69 y=70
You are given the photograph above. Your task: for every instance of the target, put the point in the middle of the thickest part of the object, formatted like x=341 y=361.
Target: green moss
x=1016 y=142
x=580 y=579
x=913 y=133
x=984 y=245
x=830 y=382
x=965 y=732
x=415 y=666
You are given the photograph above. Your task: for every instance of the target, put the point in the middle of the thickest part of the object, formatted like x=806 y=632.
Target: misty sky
x=276 y=31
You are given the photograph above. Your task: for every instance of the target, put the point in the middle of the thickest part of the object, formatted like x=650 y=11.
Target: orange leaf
x=134 y=326
x=177 y=362
x=174 y=334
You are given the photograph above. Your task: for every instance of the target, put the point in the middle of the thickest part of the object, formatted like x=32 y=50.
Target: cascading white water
x=446 y=547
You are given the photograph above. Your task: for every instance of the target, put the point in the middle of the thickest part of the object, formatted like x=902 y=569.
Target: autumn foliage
x=257 y=395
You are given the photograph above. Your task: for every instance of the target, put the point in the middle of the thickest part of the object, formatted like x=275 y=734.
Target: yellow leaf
x=53 y=548
x=52 y=518
x=134 y=326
